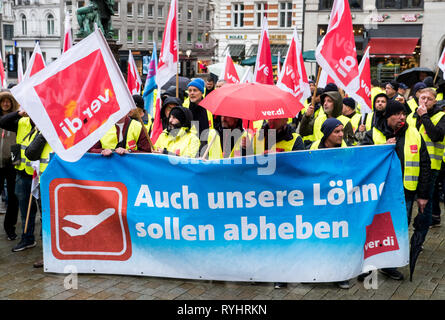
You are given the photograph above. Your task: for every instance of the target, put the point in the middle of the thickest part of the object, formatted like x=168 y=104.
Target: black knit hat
x=329 y=125
x=393 y=107
x=349 y=102
x=179 y=114
x=330 y=87
x=139 y=101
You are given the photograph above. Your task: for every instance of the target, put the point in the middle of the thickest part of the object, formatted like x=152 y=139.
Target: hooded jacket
x=423 y=185
x=8 y=138
x=168 y=100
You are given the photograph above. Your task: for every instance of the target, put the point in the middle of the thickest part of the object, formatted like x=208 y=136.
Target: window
x=140 y=36
x=150 y=10
x=160 y=10
x=199 y=37
x=189 y=37
x=8 y=31
x=116 y=34
x=207 y=15
x=130 y=35
x=200 y=14
x=116 y=8
x=140 y=10
x=285 y=14
x=50 y=24
x=150 y=35
x=129 y=9
x=353 y=4
x=260 y=11
x=399 y=4
x=24 y=25
x=237 y=15
x=160 y=35
x=189 y=14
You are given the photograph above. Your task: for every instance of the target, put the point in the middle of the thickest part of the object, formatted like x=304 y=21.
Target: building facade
x=401 y=34
x=237 y=26
x=139 y=23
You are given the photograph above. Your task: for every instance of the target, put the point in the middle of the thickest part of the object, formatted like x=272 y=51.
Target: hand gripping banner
x=275 y=218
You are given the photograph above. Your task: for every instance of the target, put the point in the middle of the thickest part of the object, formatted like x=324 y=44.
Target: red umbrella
x=252 y=101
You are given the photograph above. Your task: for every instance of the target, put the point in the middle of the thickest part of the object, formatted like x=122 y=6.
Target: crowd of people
x=411 y=119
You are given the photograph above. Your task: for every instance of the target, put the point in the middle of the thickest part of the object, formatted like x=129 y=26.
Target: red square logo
x=380 y=235
x=413 y=148
x=89 y=220
x=79 y=99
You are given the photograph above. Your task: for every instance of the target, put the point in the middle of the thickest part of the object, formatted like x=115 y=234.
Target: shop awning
x=392 y=47
x=236 y=50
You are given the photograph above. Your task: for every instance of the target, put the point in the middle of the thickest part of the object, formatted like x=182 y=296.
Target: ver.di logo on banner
x=96 y=228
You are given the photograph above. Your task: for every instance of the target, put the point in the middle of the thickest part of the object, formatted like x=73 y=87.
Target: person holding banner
x=139 y=112
x=178 y=138
x=25 y=129
x=230 y=133
x=8 y=104
x=415 y=162
x=350 y=112
x=169 y=102
x=124 y=137
x=276 y=135
x=429 y=119
x=332 y=130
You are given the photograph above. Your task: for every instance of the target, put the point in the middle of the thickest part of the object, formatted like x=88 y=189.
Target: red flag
x=363 y=94
x=336 y=52
x=19 y=68
x=169 y=55
x=2 y=74
x=77 y=98
x=324 y=79
x=157 y=125
x=134 y=81
x=293 y=77
x=263 y=64
x=68 y=39
x=35 y=63
x=442 y=62
x=230 y=74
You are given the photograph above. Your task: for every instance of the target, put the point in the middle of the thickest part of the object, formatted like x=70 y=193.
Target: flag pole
x=209 y=146
x=27 y=213
x=437 y=73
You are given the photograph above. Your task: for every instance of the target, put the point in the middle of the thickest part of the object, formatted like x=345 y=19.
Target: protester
x=39 y=150
x=230 y=132
x=415 y=162
x=201 y=116
x=20 y=123
x=167 y=105
x=307 y=116
x=124 y=137
x=332 y=130
x=430 y=122
x=350 y=112
x=413 y=101
x=276 y=135
x=379 y=102
x=209 y=85
x=8 y=104
x=402 y=89
x=139 y=112
x=332 y=103
x=391 y=90
x=220 y=83
x=178 y=138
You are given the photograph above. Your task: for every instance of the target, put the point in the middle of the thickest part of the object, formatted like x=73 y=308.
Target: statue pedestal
x=114 y=47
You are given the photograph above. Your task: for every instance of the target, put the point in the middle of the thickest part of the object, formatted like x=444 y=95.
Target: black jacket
x=424 y=184
x=285 y=134
x=435 y=132
x=11 y=120
x=34 y=151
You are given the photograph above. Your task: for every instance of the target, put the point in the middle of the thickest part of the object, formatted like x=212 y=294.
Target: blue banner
x=307 y=216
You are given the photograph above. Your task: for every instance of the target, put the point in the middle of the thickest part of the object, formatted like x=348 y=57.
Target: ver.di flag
x=293 y=77
x=263 y=64
x=134 y=81
x=68 y=39
x=442 y=62
x=230 y=75
x=336 y=52
x=19 y=68
x=363 y=94
x=169 y=55
x=35 y=63
x=77 y=98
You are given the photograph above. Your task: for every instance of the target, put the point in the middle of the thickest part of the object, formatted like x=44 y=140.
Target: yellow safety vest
x=281 y=146
x=369 y=119
x=23 y=129
x=44 y=157
x=185 y=143
x=186 y=104
x=412 y=105
x=215 y=151
x=315 y=145
x=355 y=121
x=321 y=119
x=411 y=151
x=439 y=96
x=110 y=141
x=435 y=149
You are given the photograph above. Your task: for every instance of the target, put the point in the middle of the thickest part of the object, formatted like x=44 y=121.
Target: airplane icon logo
x=87 y=222
x=94 y=226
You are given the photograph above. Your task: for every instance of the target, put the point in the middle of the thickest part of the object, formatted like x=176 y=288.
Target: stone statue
x=99 y=12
